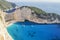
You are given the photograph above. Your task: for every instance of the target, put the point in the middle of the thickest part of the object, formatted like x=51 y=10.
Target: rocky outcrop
x=39 y=16
x=33 y=14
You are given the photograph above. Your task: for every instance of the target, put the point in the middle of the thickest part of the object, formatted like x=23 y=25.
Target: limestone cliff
x=3 y=31
x=33 y=14
x=37 y=15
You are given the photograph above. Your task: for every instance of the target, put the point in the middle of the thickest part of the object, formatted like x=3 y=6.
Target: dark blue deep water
x=32 y=31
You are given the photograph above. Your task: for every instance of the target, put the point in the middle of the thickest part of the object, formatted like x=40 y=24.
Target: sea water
x=33 y=31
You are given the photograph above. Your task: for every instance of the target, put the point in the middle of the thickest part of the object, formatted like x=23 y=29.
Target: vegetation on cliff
x=35 y=9
x=6 y=5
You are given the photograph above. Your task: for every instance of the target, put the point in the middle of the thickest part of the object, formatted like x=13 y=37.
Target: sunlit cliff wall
x=3 y=32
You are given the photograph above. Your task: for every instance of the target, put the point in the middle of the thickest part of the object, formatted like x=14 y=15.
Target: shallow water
x=32 y=31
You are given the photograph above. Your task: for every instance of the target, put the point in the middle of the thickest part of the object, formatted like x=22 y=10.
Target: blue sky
x=55 y=1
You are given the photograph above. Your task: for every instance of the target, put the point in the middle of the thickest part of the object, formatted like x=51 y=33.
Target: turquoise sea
x=33 y=31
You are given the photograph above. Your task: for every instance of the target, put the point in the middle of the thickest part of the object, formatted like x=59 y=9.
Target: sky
x=55 y=1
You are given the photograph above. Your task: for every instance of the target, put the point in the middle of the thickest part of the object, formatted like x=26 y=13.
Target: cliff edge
x=38 y=15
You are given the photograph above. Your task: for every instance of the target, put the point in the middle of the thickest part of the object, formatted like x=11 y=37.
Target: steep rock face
x=3 y=32
x=18 y=16
x=37 y=15
x=26 y=13
x=6 y=5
